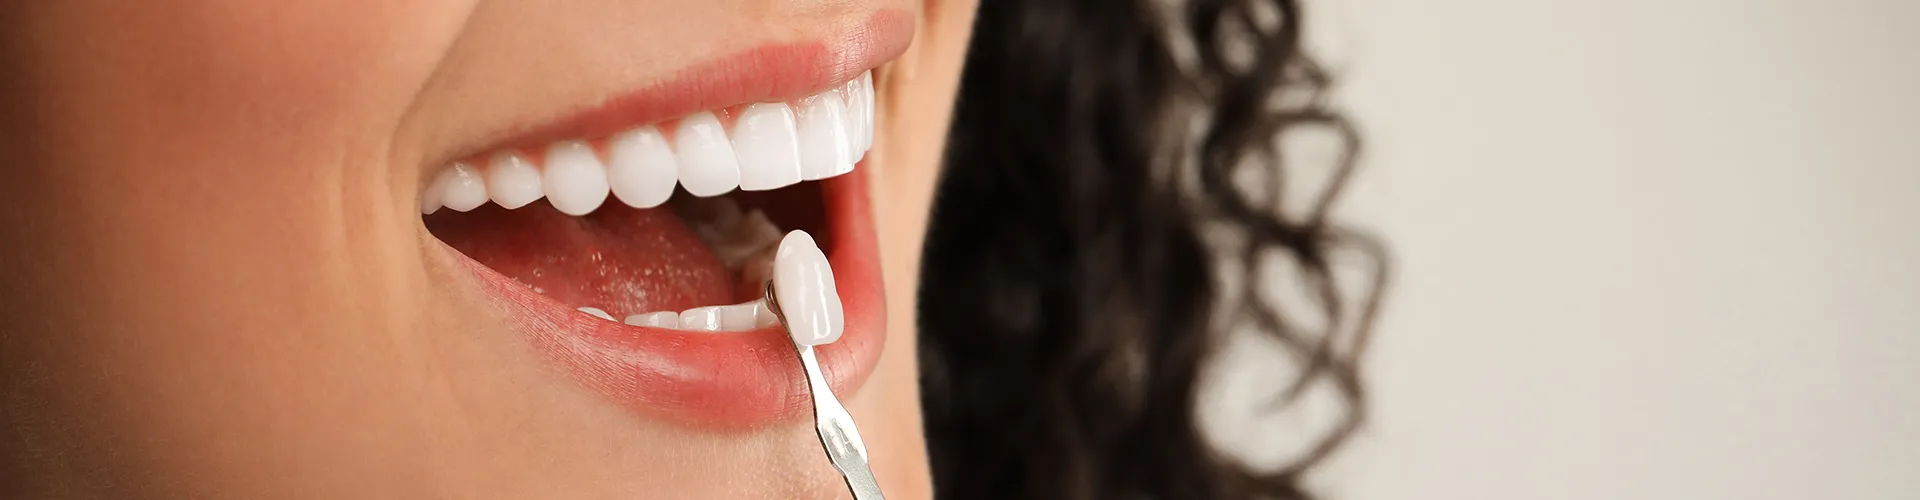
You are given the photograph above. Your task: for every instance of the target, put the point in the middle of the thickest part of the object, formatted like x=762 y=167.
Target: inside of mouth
x=690 y=252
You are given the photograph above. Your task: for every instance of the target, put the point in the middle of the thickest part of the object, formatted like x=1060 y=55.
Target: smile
x=631 y=248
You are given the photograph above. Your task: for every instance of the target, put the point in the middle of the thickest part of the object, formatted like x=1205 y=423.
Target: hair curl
x=1072 y=288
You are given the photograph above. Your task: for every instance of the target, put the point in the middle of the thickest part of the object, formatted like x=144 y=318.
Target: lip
x=720 y=379
x=770 y=72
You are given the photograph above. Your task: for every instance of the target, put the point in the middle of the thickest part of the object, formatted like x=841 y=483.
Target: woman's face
x=219 y=281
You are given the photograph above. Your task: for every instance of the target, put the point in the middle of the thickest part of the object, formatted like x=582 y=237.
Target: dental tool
x=812 y=315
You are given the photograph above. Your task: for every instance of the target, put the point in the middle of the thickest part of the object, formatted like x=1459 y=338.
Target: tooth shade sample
x=766 y=141
x=809 y=298
x=575 y=181
x=596 y=312
x=663 y=319
x=461 y=187
x=826 y=149
x=641 y=167
x=708 y=166
x=512 y=181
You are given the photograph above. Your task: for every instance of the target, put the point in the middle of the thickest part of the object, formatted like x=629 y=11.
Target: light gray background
x=1647 y=249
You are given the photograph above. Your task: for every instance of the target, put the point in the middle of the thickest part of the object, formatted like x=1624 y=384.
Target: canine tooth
x=641 y=168
x=703 y=319
x=663 y=319
x=708 y=166
x=826 y=149
x=596 y=312
x=859 y=95
x=803 y=282
x=512 y=181
x=430 y=196
x=766 y=140
x=575 y=181
x=461 y=187
x=868 y=110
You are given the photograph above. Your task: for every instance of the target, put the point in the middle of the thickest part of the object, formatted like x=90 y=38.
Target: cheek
x=190 y=100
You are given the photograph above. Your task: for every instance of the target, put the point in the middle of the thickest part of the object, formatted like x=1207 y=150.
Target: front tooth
x=461 y=187
x=513 y=181
x=575 y=181
x=803 y=282
x=766 y=141
x=826 y=149
x=702 y=319
x=662 y=319
x=708 y=166
x=641 y=168
x=596 y=312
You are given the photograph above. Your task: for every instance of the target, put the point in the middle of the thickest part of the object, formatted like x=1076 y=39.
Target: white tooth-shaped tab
x=512 y=181
x=766 y=140
x=803 y=282
x=596 y=312
x=461 y=187
x=826 y=149
x=641 y=168
x=703 y=319
x=708 y=166
x=575 y=181
x=662 y=319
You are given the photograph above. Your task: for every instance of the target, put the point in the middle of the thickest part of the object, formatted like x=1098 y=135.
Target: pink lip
x=723 y=379
x=768 y=73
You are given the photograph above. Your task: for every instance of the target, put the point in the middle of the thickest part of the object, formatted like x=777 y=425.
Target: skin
x=217 y=284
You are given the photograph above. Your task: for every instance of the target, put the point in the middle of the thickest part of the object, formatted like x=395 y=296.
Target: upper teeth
x=770 y=145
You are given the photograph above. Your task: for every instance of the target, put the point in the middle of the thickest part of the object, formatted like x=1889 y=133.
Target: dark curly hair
x=1091 y=203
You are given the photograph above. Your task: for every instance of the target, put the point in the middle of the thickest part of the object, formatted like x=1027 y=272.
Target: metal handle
x=831 y=420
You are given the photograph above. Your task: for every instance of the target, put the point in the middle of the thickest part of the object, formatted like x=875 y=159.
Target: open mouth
x=636 y=259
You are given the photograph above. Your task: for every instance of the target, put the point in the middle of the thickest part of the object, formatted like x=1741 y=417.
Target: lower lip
x=714 y=379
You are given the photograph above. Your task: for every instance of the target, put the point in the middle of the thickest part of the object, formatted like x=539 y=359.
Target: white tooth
x=596 y=312
x=826 y=149
x=512 y=181
x=857 y=117
x=764 y=317
x=461 y=187
x=662 y=319
x=708 y=166
x=803 y=281
x=430 y=196
x=703 y=318
x=766 y=140
x=641 y=168
x=741 y=317
x=575 y=182
x=867 y=93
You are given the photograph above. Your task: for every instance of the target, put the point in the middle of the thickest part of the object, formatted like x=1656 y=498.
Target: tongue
x=620 y=259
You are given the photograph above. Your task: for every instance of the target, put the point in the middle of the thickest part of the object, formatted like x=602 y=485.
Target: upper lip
x=766 y=73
